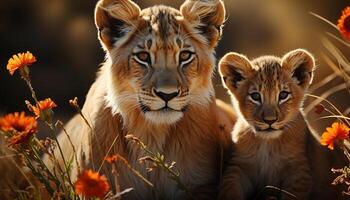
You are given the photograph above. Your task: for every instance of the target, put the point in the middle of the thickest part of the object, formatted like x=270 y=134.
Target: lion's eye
x=143 y=57
x=255 y=96
x=283 y=95
x=185 y=57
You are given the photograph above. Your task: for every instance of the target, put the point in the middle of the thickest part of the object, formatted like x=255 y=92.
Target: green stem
x=58 y=184
x=164 y=166
x=47 y=170
x=31 y=90
x=137 y=173
x=78 y=109
x=39 y=175
x=52 y=128
x=71 y=143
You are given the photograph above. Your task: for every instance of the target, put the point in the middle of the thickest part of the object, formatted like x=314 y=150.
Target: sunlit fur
x=266 y=153
x=192 y=130
x=163 y=33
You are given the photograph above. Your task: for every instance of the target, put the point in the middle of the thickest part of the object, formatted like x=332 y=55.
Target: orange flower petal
x=21 y=126
x=91 y=184
x=111 y=159
x=344 y=23
x=21 y=138
x=43 y=106
x=337 y=132
x=19 y=61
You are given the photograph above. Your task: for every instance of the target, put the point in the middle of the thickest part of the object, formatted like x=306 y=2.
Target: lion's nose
x=166 y=96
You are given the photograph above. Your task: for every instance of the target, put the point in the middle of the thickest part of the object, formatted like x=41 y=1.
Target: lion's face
x=268 y=91
x=162 y=58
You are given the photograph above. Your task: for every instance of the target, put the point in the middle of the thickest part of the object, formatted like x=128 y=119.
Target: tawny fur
x=196 y=147
x=197 y=141
x=273 y=157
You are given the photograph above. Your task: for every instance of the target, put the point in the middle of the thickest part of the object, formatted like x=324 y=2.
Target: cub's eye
x=143 y=57
x=185 y=57
x=255 y=96
x=283 y=95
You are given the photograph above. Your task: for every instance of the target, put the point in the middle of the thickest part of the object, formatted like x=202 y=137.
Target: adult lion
x=156 y=85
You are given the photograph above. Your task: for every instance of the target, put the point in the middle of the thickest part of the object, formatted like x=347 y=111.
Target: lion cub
x=271 y=131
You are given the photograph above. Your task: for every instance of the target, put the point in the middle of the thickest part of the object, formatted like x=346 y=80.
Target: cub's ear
x=234 y=68
x=207 y=16
x=301 y=65
x=114 y=18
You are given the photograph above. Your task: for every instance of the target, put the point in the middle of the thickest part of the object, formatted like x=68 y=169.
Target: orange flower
x=18 y=122
x=21 y=126
x=21 y=138
x=111 y=159
x=338 y=131
x=20 y=61
x=91 y=184
x=344 y=23
x=43 y=106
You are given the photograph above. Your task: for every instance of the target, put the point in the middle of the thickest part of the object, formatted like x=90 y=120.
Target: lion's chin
x=163 y=116
x=273 y=134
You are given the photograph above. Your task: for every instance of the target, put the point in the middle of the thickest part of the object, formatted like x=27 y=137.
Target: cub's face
x=162 y=58
x=268 y=91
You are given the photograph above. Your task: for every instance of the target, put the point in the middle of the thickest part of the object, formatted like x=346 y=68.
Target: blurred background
x=62 y=35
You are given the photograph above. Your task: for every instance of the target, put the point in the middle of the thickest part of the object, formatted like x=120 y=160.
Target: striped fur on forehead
x=269 y=72
x=119 y=21
x=162 y=23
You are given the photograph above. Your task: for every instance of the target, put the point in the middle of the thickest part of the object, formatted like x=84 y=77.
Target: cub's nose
x=269 y=116
x=166 y=96
x=270 y=122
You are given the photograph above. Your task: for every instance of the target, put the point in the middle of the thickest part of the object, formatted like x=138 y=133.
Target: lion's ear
x=301 y=64
x=234 y=68
x=207 y=16
x=114 y=18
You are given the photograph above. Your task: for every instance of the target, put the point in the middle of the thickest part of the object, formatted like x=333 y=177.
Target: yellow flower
x=344 y=23
x=22 y=127
x=337 y=132
x=91 y=184
x=20 y=61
